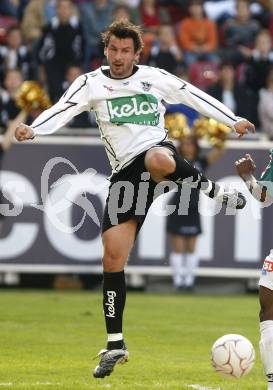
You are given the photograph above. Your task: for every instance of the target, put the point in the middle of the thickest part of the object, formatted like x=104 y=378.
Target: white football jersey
x=129 y=111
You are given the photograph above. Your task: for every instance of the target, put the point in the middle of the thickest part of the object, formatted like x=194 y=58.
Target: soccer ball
x=232 y=356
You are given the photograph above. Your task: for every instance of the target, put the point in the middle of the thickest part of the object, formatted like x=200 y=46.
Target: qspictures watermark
x=123 y=195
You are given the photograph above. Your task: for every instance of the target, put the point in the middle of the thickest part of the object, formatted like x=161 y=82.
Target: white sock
x=192 y=262
x=176 y=262
x=114 y=337
x=266 y=350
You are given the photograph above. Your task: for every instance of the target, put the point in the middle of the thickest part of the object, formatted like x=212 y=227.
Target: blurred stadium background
x=221 y=46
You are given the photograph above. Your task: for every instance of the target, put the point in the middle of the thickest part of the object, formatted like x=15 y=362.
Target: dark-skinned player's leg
x=266 y=330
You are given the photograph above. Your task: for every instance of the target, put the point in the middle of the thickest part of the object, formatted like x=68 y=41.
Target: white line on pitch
x=46 y=383
x=32 y=384
x=198 y=387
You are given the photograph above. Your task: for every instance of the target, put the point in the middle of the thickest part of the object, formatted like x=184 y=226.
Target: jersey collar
x=106 y=72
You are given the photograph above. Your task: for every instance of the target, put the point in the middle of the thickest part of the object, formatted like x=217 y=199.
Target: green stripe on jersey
x=267 y=175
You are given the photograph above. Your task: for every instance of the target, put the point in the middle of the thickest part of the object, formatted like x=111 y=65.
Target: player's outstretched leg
x=185 y=172
x=117 y=241
x=164 y=164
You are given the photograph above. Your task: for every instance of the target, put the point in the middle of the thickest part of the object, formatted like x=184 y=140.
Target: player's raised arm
x=179 y=91
x=260 y=190
x=74 y=101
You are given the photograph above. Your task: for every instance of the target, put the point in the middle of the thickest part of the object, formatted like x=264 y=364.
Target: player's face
x=121 y=56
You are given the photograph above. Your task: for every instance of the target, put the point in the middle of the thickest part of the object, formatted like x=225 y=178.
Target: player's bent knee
x=160 y=162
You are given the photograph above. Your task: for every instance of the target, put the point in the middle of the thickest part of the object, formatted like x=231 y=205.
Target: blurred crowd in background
x=223 y=47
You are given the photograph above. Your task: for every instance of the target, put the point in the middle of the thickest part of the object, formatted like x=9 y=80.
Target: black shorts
x=124 y=193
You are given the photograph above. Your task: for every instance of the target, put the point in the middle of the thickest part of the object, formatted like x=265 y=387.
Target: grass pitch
x=48 y=340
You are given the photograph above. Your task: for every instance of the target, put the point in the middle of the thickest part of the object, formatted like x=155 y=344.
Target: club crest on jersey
x=146 y=86
x=139 y=109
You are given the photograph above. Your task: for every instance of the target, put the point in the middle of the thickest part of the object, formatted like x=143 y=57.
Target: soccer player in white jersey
x=262 y=190
x=127 y=99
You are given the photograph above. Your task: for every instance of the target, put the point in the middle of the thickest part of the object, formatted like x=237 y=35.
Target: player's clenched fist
x=245 y=166
x=243 y=126
x=23 y=132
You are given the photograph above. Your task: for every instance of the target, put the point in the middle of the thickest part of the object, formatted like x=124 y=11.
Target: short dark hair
x=123 y=29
